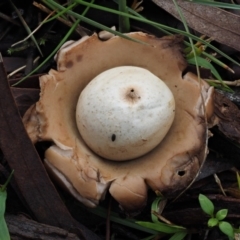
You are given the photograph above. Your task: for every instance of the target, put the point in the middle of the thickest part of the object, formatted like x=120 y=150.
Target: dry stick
x=5 y=32
x=28 y=30
x=218 y=181
x=108 y=233
x=163 y=219
x=50 y=14
x=136 y=6
x=78 y=29
x=9 y=19
x=21 y=68
x=235 y=83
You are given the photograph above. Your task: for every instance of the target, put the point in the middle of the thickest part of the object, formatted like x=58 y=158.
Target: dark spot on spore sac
x=69 y=64
x=113 y=137
x=132 y=90
x=79 y=58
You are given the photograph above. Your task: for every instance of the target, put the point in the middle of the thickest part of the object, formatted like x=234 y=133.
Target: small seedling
x=216 y=219
x=4 y=233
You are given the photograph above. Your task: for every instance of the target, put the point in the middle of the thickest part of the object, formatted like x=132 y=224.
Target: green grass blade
x=26 y=27
x=204 y=63
x=162 y=227
x=162 y=26
x=131 y=11
x=4 y=233
x=178 y=236
x=55 y=50
x=217 y=61
x=91 y=22
x=60 y=13
x=212 y=58
x=155 y=207
x=150 y=237
x=99 y=211
x=190 y=39
x=123 y=22
x=50 y=55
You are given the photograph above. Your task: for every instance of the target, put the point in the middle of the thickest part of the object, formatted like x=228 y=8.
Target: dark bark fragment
x=22 y=228
x=35 y=188
x=24 y=98
x=214 y=22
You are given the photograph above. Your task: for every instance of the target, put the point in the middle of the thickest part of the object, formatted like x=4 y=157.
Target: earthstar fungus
x=168 y=166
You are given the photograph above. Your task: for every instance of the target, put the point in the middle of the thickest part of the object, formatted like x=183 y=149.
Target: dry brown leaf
x=214 y=22
x=227 y=117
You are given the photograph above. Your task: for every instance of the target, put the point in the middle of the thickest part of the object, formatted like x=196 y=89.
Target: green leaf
x=212 y=222
x=178 y=236
x=150 y=237
x=221 y=214
x=162 y=227
x=206 y=204
x=202 y=62
x=226 y=228
x=4 y=233
x=114 y=217
x=155 y=207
